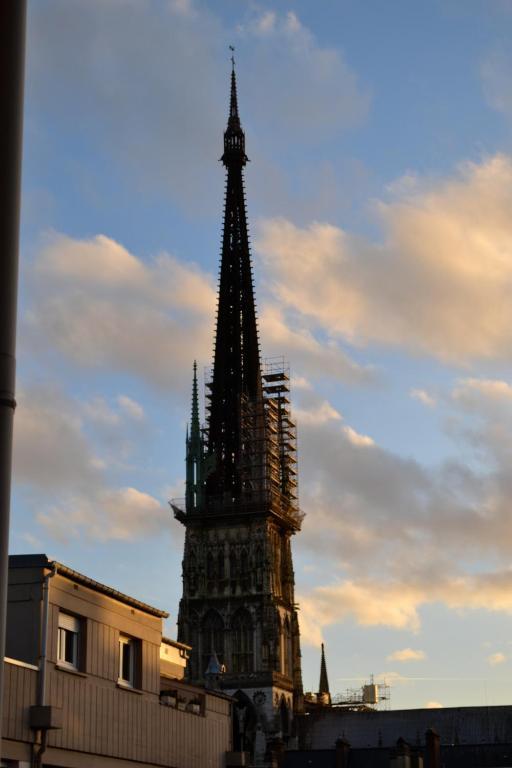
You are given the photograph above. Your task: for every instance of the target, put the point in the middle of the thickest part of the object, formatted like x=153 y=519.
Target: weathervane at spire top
x=234 y=139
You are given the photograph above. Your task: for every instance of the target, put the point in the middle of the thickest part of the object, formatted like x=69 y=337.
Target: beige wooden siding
x=104 y=720
x=124 y=724
x=19 y=690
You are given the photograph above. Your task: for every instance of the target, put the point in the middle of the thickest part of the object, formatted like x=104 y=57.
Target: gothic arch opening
x=258 y=563
x=284 y=718
x=242 y=641
x=286 y=647
x=220 y=564
x=244 y=723
x=210 y=566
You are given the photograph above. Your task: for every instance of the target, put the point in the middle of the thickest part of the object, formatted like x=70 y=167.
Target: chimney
x=433 y=749
x=342 y=753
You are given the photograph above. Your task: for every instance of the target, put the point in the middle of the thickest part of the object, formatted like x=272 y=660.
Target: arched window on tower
x=192 y=573
x=244 y=569
x=242 y=644
x=220 y=563
x=286 y=648
x=210 y=566
x=212 y=638
x=233 y=564
x=258 y=567
x=288 y=640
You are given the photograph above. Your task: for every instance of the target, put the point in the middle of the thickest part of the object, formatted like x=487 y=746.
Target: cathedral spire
x=323 y=686
x=238 y=612
x=236 y=384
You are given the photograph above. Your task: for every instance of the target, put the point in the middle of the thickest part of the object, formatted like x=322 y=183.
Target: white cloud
x=131 y=407
x=397 y=604
x=266 y=23
x=55 y=462
x=132 y=57
x=184 y=7
x=396 y=535
x=471 y=391
x=407 y=654
x=370 y=604
x=496 y=658
x=121 y=514
x=45 y=417
x=101 y=306
x=356 y=439
x=495 y=72
x=319 y=414
x=423 y=397
x=300 y=382
x=98 y=410
x=306 y=73
x=312 y=357
x=449 y=240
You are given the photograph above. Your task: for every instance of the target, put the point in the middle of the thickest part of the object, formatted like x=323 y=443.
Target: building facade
x=91 y=683
x=241 y=508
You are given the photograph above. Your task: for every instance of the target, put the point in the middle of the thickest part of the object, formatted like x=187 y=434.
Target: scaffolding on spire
x=245 y=458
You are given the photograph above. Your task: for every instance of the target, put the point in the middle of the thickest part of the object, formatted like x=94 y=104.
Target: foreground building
x=90 y=682
x=238 y=608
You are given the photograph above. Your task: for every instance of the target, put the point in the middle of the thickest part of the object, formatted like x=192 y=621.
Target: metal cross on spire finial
x=232 y=49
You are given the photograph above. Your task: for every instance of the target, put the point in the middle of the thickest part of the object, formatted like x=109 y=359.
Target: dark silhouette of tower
x=324 y=695
x=241 y=506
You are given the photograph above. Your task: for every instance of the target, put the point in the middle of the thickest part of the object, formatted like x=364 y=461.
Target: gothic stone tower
x=241 y=509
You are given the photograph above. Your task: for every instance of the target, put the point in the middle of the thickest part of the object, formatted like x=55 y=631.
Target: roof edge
x=42 y=561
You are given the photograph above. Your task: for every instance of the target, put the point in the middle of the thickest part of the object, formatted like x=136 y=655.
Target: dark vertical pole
x=342 y=753
x=433 y=749
x=12 y=64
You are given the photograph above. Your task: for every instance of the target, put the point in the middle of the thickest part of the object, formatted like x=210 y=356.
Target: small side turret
x=194 y=454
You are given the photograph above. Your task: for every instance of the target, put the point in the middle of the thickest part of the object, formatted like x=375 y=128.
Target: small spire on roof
x=214 y=665
x=323 y=687
x=214 y=671
x=194 y=423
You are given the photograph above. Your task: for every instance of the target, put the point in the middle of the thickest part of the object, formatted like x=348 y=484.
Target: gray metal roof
x=455 y=725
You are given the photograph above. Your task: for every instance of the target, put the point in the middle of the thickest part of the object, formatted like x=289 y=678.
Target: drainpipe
x=42 y=733
x=41 y=687
x=12 y=58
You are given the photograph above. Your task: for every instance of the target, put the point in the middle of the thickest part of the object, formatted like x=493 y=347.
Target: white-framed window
x=128 y=649
x=69 y=640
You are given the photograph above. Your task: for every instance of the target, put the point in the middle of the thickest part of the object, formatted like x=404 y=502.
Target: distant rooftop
x=42 y=561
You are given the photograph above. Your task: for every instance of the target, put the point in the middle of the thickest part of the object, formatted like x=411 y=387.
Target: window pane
x=126 y=661
x=61 y=645
x=67 y=647
x=71 y=644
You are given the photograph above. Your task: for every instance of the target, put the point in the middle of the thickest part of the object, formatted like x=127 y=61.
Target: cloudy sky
x=380 y=198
